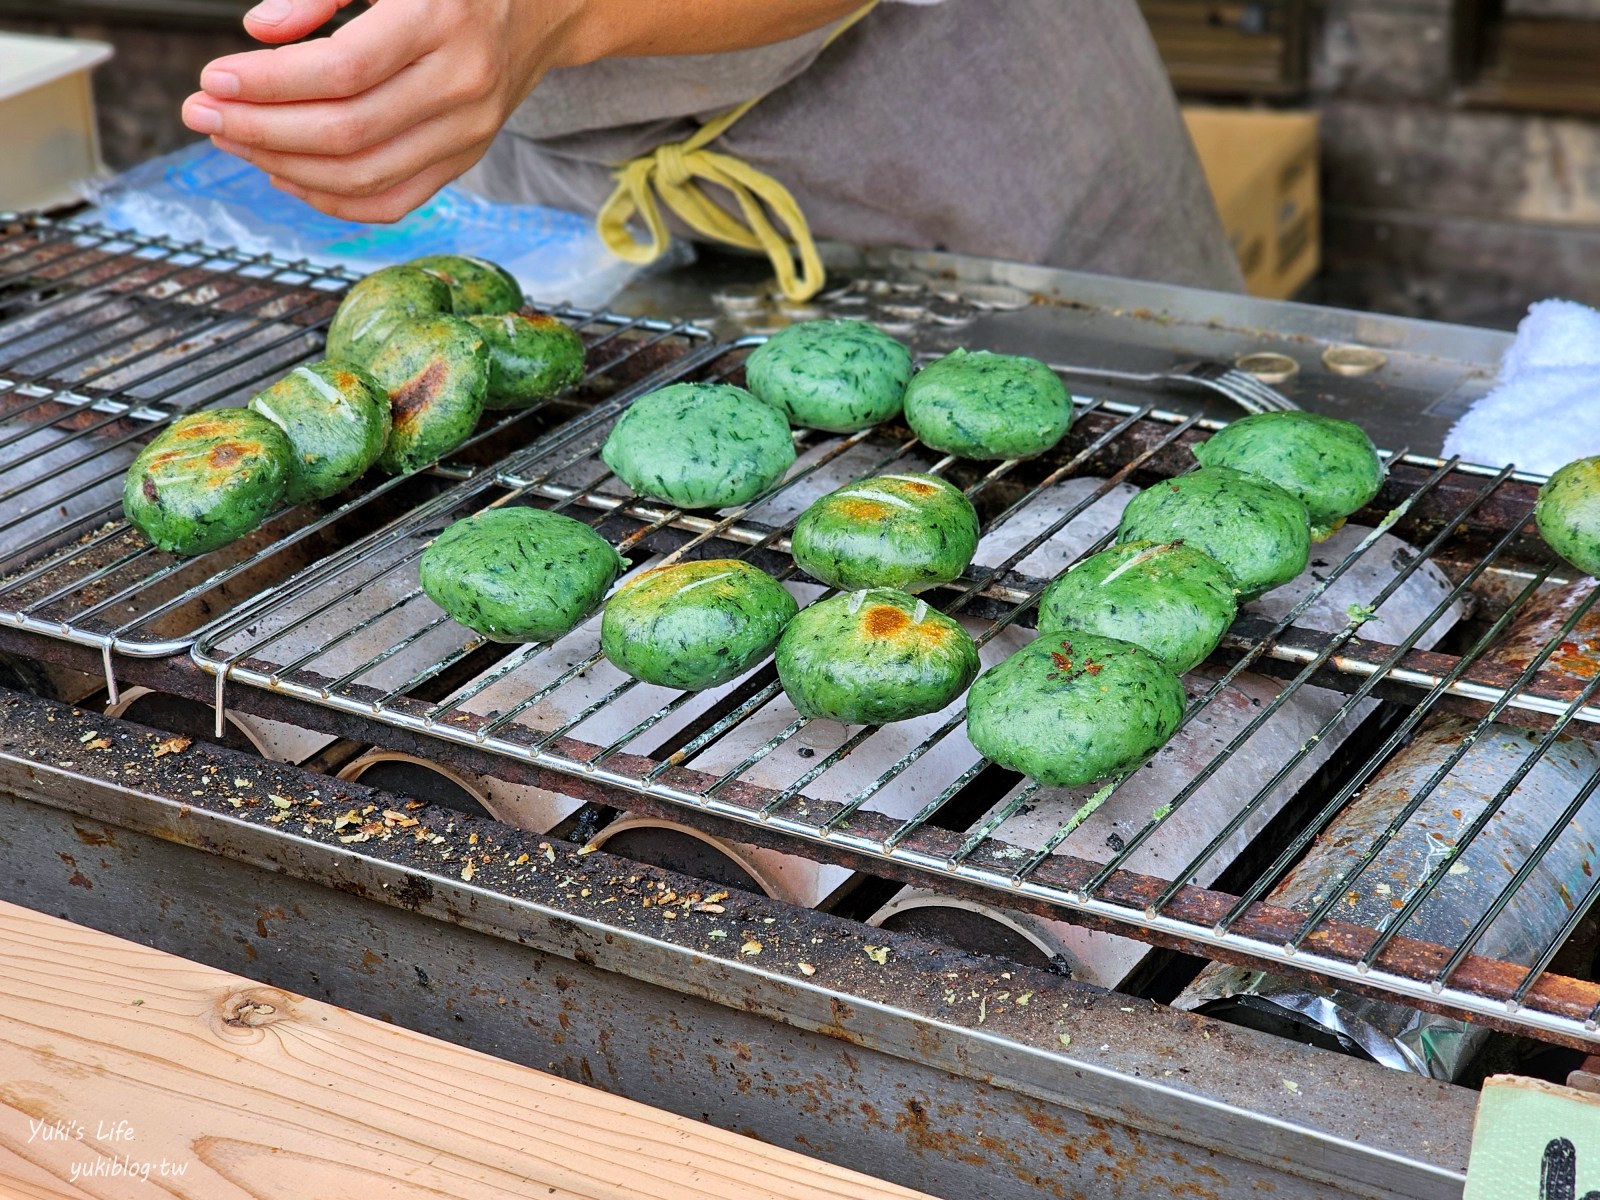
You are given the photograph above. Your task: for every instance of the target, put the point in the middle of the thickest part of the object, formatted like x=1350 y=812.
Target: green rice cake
x=337 y=420
x=835 y=375
x=1171 y=599
x=700 y=445
x=375 y=306
x=530 y=358
x=519 y=574
x=1568 y=513
x=870 y=657
x=1331 y=465
x=209 y=478
x=694 y=625
x=476 y=284
x=983 y=405
x=910 y=532
x=1258 y=532
x=1074 y=707
x=436 y=370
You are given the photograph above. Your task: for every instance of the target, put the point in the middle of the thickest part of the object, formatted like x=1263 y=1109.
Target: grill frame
x=1561 y=1009
x=118 y=256
x=1382 y=961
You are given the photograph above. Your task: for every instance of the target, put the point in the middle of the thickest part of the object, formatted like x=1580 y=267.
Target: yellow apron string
x=676 y=171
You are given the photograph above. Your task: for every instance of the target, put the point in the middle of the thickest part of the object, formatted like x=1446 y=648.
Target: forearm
x=369 y=122
x=632 y=28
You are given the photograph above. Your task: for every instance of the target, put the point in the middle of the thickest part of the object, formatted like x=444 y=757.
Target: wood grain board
x=129 y=1073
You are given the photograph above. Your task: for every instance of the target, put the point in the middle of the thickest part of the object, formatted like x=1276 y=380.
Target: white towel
x=1545 y=411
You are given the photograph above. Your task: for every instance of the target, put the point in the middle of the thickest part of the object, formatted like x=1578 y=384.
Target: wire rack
x=105 y=337
x=1442 y=601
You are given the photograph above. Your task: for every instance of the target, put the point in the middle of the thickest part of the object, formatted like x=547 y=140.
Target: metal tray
x=105 y=337
x=337 y=638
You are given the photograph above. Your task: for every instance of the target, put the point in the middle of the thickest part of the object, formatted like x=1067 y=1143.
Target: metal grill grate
x=104 y=337
x=359 y=636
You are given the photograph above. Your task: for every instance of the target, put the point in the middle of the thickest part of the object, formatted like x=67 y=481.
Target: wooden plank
x=126 y=1072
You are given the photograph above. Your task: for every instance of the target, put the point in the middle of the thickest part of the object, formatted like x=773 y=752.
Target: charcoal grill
x=319 y=619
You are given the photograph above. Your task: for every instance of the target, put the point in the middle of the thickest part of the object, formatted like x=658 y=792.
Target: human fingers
x=325 y=127
x=288 y=20
x=378 y=168
x=392 y=205
x=354 y=58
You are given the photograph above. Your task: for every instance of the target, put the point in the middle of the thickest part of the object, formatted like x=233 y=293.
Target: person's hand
x=370 y=122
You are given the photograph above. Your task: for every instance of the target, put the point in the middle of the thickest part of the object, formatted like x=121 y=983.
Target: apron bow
x=676 y=171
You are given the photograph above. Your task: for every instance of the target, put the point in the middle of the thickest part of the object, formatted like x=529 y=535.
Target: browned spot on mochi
x=887 y=621
x=883 y=620
x=863 y=510
x=225 y=455
x=916 y=487
x=412 y=398
x=200 y=430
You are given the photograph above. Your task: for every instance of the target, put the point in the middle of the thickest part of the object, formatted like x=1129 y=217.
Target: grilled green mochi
x=835 y=375
x=910 y=532
x=870 y=657
x=375 y=306
x=476 y=284
x=1331 y=465
x=337 y=419
x=436 y=371
x=1568 y=513
x=700 y=445
x=530 y=358
x=982 y=405
x=694 y=625
x=1171 y=599
x=1258 y=532
x=1074 y=707
x=519 y=574
x=209 y=478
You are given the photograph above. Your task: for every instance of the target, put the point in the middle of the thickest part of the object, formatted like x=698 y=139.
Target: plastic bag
x=200 y=193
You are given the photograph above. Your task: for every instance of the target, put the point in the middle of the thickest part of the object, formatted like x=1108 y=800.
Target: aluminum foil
x=1394 y=1033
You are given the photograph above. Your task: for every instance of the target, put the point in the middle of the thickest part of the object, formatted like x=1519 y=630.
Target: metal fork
x=1243 y=388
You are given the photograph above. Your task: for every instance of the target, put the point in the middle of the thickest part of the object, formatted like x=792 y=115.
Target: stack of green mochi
x=415 y=353
x=1099 y=690
x=871 y=655
x=877 y=653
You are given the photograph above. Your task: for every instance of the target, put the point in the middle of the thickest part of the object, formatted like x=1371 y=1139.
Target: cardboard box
x=1262 y=168
x=47 y=119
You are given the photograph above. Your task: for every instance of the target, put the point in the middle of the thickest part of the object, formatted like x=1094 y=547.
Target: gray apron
x=1032 y=130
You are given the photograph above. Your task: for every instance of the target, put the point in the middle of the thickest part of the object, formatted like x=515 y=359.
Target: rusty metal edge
x=1561 y=996
x=975 y=1017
